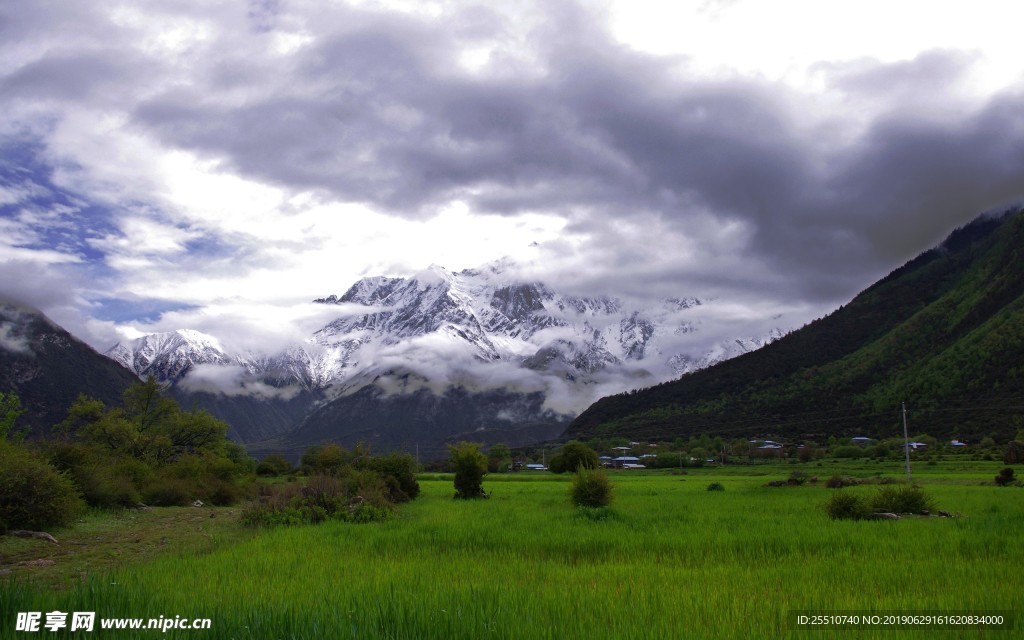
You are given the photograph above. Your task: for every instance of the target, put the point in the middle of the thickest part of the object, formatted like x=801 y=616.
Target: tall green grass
x=672 y=560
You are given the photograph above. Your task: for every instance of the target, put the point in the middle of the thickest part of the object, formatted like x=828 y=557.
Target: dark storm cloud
x=378 y=108
x=909 y=181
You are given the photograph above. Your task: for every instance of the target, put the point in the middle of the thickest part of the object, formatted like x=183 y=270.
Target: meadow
x=668 y=559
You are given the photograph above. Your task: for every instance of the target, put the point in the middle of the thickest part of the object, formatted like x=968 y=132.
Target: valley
x=667 y=558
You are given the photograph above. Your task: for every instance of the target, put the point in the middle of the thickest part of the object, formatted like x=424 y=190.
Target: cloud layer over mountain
x=167 y=165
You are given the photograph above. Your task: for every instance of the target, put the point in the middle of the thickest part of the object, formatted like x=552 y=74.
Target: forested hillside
x=944 y=332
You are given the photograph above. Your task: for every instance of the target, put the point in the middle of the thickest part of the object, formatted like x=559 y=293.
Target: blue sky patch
x=146 y=310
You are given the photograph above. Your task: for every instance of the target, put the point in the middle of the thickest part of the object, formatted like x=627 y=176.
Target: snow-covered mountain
x=496 y=319
x=169 y=356
x=478 y=330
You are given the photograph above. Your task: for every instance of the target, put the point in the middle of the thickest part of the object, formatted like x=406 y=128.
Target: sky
x=217 y=165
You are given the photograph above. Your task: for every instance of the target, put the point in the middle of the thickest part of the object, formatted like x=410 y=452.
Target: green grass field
x=669 y=559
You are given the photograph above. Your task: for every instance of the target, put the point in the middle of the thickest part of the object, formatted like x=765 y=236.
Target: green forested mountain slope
x=945 y=333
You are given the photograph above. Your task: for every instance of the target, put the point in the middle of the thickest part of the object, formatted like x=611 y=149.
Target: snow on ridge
x=440 y=321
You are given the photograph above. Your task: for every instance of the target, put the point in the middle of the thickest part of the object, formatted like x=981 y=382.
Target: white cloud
x=233 y=381
x=10 y=341
x=786 y=39
x=253 y=160
x=141 y=237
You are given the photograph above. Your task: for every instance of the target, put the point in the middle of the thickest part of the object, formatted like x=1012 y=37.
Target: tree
x=148 y=448
x=498 y=457
x=273 y=465
x=574 y=455
x=324 y=459
x=148 y=426
x=10 y=409
x=470 y=468
x=1014 y=453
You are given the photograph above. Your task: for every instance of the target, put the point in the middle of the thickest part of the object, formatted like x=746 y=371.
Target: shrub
x=399 y=473
x=667 y=460
x=880 y=451
x=102 y=480
x=222 y=469
x=797 y=478
x=1005 y=477
x=354 y=496
x=847 y=506
x=274 y=465
x=102 y=487
x=33 y=494
x=590 y=488
x=470 y=467
x=221 y=493
x=716 y=486
x=263 y=514
x=838 y=482
x=902 y=499
x=850 y=451
x=169 y=491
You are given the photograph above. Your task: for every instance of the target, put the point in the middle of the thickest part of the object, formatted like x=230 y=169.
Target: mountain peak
x=433 y=276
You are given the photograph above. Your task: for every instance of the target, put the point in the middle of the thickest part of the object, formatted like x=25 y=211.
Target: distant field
x=668 y=560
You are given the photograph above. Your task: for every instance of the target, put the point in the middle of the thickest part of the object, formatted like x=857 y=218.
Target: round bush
x=34 y=495
x=591 y=488
x=716 y=486
x=1005 y=477
x=847 y=506
x=905 y=499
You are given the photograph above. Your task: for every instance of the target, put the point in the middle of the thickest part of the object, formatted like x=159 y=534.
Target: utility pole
x=906 y=439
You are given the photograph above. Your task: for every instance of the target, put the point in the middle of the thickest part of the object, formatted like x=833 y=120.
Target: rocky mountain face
x=444 y=353
x=48 y=368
